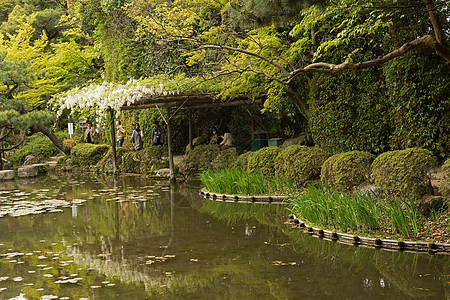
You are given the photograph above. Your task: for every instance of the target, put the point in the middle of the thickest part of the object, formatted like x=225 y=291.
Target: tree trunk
x=51 y=135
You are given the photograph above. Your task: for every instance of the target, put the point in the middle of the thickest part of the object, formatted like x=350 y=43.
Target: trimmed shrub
x=263 y=161
x=132 y=161
x=445 y=185
x=300 y=164
x=155 y=152
x=224 y=159
x=85 y=154
x=347 y=170
x=242 y=161
x=207 y=157
x=120 y=151
x=404 y=172
x=70 y=143
x=38 y=145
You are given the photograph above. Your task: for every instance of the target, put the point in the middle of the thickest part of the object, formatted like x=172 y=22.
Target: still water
x=133 y=238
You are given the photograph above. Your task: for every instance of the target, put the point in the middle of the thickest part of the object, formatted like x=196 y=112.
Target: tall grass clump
x=238 y=182
x=356 y=212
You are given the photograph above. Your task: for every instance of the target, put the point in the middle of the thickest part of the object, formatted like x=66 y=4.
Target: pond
x=96 y=237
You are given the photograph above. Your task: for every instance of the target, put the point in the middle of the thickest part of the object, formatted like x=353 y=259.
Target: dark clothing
x=157 y=136
x=120 y=142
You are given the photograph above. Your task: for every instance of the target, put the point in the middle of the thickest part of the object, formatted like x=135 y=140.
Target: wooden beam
x=169 y=145
x=190 y=129
x=113 y=141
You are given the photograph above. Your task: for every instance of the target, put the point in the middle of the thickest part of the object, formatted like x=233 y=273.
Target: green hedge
x=347 y=170
x=300 y=164
x=242 y=161
x=263 y=161
x=404 y=172
x=85 y=154
x=38 y=145
x=207 y=157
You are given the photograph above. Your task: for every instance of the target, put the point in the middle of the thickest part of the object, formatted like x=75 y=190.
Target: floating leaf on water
x=49 y=297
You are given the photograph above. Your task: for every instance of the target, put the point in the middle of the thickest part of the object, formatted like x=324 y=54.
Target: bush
x=38 y=145
x=445 y=185
x=263 y=161
x=300 y=164
x=347 y=170
x=242 y=161
x=85 y=154
x=207 y=157
x=152 y=152
x=224 y=159
x=404 y=172
x=131 y=161
x=70 y=143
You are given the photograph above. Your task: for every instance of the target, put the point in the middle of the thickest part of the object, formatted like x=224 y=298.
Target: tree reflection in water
x=139 y=239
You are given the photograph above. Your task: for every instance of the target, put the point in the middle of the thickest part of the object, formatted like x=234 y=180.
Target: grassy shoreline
x=367 y=215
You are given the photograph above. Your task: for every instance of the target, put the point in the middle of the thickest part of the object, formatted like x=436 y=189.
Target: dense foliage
x=404 y=172
x=263 y=161
x=37 y=145
x=300 y=164
x=85 y=154
x=346 y=170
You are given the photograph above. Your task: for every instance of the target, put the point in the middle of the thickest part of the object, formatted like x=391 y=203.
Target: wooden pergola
x=175 y=103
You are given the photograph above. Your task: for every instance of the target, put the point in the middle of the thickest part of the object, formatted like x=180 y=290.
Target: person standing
x=120 y=134
x=157 y=134
x=136 y=137
x=89 y=133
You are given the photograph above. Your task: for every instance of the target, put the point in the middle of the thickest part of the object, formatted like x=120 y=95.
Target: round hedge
x=85 y=154
x=404 y=172
x=263 y=161
x=224 y=159
x=300 y=164
x=208 y=157
x=445 y=185
x=242 y=161
x=347 y=170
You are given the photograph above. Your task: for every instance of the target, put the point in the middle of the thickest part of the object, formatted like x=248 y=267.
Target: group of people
x=137 y=135
x=157 y=137
x=223 y=141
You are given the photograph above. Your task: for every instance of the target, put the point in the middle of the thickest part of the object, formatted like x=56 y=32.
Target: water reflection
x=136 y=239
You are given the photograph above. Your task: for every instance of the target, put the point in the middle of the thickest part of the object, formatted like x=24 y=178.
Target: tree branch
x=321 y=67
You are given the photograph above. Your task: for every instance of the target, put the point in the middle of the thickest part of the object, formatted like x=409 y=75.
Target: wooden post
x=169 y=145
x=190 y=130
x=113 y=141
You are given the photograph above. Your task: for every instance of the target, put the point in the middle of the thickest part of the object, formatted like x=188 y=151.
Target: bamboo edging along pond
x=343 y=238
